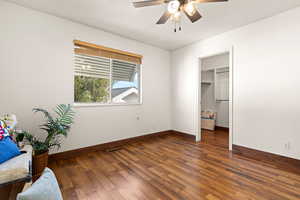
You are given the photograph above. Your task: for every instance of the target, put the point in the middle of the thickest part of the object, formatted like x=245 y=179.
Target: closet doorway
x=215 y=100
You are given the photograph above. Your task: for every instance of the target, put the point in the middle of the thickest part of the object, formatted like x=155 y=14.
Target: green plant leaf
x=45 y=112
x=55 y=128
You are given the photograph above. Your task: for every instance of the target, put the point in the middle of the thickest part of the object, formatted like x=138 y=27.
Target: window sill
x=80 y=105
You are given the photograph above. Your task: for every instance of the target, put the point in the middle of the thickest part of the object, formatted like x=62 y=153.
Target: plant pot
x=39 y=163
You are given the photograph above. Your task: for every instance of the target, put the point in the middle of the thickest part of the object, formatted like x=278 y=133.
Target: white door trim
x=231 y=91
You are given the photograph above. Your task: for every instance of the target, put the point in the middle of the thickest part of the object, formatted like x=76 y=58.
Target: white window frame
x=110 y=103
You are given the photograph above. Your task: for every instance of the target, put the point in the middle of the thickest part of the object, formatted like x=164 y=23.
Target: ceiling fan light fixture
x=190 y=8
x=173 y=6
x=176 y=8
x=176 y=16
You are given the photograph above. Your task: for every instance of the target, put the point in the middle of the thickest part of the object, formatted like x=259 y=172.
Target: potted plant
x=56 y=128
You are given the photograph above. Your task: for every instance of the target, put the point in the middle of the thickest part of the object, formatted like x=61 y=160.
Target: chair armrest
x=17 y=169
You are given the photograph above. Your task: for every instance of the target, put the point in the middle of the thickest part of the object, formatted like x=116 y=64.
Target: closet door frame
x=231 y=91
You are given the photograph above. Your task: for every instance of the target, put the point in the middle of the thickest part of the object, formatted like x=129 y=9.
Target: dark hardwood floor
x=173 y=167
x=219 y=137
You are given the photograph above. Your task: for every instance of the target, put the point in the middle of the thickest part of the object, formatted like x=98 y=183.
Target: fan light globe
x=176 y=17
x=190 y=8
x=173 y=6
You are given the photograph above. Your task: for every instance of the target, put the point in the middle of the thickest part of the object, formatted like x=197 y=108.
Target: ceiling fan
x=175 y=8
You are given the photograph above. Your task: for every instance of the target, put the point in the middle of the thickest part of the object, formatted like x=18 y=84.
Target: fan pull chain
x=175 y=26
x=180 y=24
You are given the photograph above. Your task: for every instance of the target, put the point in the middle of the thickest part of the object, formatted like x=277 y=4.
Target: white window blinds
x=92 y=66
x=123 y=71
x=106 y=76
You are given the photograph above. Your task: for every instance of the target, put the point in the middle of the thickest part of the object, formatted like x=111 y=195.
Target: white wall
x=216 y=61
x=266 y=83
x=36 y=61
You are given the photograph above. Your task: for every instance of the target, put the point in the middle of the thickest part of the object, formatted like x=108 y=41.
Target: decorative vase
x=20 y=145
x=39 y=163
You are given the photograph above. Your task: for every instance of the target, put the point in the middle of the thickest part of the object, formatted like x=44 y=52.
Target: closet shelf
x=222 y=99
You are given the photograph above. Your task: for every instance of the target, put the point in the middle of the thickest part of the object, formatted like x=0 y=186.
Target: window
x=105 y=76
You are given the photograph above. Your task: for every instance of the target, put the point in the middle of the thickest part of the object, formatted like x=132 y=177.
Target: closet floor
x=219 y=137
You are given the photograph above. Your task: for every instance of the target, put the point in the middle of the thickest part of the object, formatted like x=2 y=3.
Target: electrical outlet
x=287 y=146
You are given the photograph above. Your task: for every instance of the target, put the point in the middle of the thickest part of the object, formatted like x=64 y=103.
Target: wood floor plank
x=174 y=167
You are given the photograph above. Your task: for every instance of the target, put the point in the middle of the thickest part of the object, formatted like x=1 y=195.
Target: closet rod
x=222 y=72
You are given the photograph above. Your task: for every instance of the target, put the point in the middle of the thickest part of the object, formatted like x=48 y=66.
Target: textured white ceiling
x=120 y=17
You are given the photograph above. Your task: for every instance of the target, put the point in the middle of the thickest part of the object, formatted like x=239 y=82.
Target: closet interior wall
x=215 y=87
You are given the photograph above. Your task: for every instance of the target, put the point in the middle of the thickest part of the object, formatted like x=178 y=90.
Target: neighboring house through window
x=125 y=95
x=106 y=76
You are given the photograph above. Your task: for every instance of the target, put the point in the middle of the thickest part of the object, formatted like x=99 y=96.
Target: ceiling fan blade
x=194 y=17
x=209 y=1
x=164 y=18
x=147 y=3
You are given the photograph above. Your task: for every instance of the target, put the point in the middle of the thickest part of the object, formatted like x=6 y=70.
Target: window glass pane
x=125 y=82
x=103 y=80
x=91 y=90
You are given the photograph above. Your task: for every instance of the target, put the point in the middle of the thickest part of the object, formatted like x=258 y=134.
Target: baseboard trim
x=277 y=161
x=105 y=146
x=182 y=134
x=222 y=128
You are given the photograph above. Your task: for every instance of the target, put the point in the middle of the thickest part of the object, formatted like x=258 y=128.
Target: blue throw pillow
x=8 y=149
x=45 y=188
